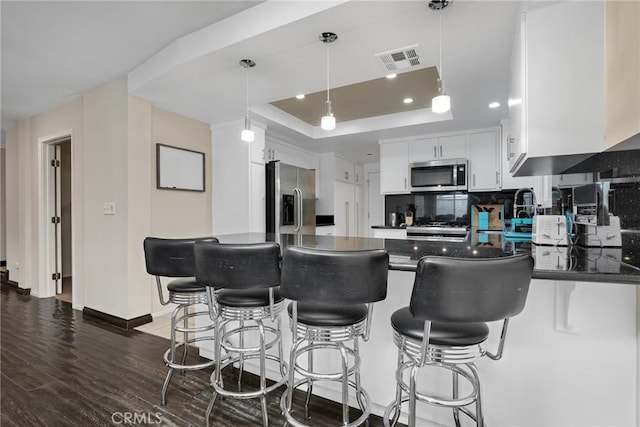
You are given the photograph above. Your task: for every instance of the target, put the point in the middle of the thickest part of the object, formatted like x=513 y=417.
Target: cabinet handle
x=441 y=151
x=497 y=177
x=511 y=141
x=405 y=183
x=474 y=179
x=273 y=154
x=346 y=175
x=435 y=153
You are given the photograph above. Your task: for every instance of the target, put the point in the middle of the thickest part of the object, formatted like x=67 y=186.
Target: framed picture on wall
x=179 y=169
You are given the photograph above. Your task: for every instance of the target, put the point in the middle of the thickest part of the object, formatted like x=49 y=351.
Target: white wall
x=113 y=154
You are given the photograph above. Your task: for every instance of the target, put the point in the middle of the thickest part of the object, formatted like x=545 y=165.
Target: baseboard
x=14 y=286
x=117 y=321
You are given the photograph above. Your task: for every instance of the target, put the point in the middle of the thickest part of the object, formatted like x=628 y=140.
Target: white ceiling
x=54 y=51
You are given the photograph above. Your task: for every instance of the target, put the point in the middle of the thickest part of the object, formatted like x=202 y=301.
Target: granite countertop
x=614 y=265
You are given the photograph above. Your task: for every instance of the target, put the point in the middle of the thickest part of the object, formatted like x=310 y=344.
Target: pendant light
x=442 y=102
x=328 y=121
x=247 y=134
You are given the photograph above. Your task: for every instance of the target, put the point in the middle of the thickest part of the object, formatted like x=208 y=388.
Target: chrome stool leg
x=241 y=361
x=185 y=336
x=456 y=410
x=345 y=384
x=479 y=415
x=172 y=355
x=309 y=386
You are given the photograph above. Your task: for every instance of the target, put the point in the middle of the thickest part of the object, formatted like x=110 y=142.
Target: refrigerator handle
x=297 y=194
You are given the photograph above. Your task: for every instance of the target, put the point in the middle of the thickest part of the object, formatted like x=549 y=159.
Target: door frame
x=46 y=233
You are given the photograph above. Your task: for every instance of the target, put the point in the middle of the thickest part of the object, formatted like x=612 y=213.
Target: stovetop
x=443 y=224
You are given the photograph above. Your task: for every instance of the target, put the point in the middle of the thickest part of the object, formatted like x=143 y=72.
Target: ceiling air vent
x=399 y=59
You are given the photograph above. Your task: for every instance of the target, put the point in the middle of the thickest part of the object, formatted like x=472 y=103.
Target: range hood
x=620 y=161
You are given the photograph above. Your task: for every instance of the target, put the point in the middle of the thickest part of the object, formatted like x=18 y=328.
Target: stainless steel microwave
x=439 y=175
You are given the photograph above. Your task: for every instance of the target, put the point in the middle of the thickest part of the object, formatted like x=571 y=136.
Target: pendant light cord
x=247 y=104
x=328 y=100
x=441 y=46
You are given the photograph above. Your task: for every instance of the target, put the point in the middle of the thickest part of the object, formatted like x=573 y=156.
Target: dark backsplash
x=445 y=206
x=624 y=201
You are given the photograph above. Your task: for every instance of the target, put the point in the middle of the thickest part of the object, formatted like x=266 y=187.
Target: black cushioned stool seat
x=188 y=284
x=329 y=315
x=445 y=327
x=453 y=334
x=333 y=294
x=247 y=297
x=174 y=258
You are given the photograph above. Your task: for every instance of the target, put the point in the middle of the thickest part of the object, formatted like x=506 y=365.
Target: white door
x=375 y=203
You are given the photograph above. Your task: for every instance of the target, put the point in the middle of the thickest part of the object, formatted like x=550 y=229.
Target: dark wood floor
x=60 y=369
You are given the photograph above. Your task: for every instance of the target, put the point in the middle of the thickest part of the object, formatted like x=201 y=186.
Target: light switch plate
x=109 y=208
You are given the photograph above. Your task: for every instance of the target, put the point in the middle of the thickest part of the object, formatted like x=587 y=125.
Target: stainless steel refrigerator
x=290 y=199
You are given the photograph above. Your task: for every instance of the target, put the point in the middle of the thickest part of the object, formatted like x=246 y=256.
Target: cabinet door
x=510 y=182
x=565 y=79
x=423 y=150
x=484 y=172
x=344 y=170
x=516 y=140
x=452 y=147
x=344 y=208
x=394 y=167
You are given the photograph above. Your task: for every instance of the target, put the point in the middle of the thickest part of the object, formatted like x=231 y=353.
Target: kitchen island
x=571 y=357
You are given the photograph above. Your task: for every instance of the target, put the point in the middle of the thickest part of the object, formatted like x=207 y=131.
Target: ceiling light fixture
x=391 y=76
x=300 y=96
x=328 y=121
x=442 y=102
x=407 y=100
x=494 y=104
x=247 y=134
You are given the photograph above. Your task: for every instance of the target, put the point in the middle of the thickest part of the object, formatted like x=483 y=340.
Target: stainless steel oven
x=439 y=175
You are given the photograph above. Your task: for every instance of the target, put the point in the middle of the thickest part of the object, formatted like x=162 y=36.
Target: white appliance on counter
x=606 y=236
x=550 y=230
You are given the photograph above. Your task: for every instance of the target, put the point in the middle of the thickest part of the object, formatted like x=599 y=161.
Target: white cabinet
x=443 y=147
x=572 y=180
x=339 y=197
x=344 y=209
x=510 y=182
x=394 y=167
x=559 y=80
x=326 y=230
x=484 y=164
x=348 y=171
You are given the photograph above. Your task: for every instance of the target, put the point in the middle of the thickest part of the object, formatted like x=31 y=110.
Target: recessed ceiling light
x=391 y=76
x=407 y=100
x=300 y=96
x=369 y=154
x=494 y=104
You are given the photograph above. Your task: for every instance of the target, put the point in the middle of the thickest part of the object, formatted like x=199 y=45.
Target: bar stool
x=174 y=258
x=332 y=293
x=247 y=277
x=444 y=326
